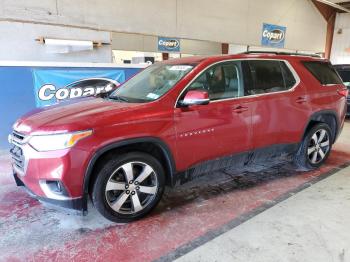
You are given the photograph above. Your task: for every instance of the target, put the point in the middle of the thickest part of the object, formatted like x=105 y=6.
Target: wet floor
x=187 y=215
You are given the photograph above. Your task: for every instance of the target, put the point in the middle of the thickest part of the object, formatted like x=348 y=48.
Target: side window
x=345 y=76
x=221 y=81
x=289 y=80
x=323 y=72
x=269 y=76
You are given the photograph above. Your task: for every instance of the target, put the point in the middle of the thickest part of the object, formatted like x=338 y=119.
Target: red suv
x=175 y=120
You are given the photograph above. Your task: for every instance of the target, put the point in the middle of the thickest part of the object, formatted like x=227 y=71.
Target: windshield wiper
x=119 y=98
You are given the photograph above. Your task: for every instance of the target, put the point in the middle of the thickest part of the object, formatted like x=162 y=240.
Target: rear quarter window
x=323 y=72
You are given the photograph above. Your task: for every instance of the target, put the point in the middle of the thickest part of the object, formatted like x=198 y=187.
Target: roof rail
x=281 y=53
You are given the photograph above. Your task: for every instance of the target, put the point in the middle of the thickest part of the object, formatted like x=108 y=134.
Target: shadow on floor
x=225 y=181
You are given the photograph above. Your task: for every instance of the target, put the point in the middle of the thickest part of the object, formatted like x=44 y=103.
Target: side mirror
x=195 y=97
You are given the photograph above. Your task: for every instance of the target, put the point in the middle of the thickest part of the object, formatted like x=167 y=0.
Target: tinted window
x=323 y=72
x=289 y=80
x=221 y=81
x=268 y=76
x=345 y=76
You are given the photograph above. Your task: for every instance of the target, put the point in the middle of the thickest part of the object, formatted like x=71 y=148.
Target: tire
x=128 y=187
x=315 y=148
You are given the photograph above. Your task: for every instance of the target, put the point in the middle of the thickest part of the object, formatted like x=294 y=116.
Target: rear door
x=279 y=104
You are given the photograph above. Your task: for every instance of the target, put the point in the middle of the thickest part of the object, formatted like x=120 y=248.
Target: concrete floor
x=310 y=226
x=269 y=213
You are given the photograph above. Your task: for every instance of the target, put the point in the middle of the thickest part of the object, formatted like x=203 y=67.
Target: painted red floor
x=30 y=231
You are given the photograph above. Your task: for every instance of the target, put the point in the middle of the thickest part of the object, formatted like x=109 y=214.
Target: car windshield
x=151 y=83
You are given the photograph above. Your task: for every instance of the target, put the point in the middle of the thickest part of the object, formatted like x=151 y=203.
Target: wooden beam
x=325 y=10
x=224 y=48
x=165 y=56
x=329 y=14
x=329 y=36
x=339 y=7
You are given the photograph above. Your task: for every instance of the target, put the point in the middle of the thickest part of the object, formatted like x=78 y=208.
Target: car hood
x=79 y=114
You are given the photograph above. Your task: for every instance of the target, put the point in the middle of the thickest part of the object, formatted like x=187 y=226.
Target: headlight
x=57 y=141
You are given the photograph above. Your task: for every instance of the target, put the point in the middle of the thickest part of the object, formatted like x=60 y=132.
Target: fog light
x=54 y=186
x=54 y=189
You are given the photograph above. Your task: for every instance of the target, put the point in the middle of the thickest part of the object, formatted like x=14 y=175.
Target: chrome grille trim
x=17 y=157
x=18 y=140
x=18 y=135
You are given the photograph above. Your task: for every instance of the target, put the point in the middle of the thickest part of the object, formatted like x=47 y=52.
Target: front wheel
x=315 y=148
x=128 y=187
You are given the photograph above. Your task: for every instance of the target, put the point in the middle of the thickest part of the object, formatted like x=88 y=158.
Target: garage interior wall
x=234 y=49
x=22 y=46
x=148 y=43
x=223 y=21
x=341 y=40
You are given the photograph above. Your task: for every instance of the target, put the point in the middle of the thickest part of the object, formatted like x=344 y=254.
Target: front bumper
x=78 y=204
x=56 y=177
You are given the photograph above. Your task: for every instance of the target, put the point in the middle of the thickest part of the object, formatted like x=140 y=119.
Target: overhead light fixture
x=62 y=46
x=327 y=2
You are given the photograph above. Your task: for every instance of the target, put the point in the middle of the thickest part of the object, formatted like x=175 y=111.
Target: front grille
x=16 y=151
x=17 y=157
x=17 y=137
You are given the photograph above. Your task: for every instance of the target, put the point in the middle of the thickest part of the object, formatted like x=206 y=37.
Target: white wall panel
x=148 y=43
x=156 y=16
x=44 y=10
x=18 y=43
x=236 y=49
x=229 y=21
x=341 y=40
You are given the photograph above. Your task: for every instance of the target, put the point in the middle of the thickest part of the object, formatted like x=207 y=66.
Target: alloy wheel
x=319 y=146
x=131 y=187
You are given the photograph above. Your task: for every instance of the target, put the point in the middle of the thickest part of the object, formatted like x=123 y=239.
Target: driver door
x=220 y=128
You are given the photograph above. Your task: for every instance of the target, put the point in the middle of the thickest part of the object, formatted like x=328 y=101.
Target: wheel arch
x=328 y=117
x=151 y=145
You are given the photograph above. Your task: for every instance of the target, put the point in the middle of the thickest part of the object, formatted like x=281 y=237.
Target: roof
x=258 y=55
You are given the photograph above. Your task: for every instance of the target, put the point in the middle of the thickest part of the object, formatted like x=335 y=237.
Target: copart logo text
x=275 y=35
x=169 y=44
x=81 y=88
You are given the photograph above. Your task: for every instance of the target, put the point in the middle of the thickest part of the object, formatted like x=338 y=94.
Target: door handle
x=301 y=100
x=240 y=109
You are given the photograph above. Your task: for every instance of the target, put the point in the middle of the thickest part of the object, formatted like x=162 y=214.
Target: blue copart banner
x=53 y=86
x=16 y=98
x=166 y=44
x=273 y=35
x=19 y=87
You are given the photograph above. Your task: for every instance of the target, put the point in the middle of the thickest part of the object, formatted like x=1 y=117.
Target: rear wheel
x=128 y=187
x=315 y=147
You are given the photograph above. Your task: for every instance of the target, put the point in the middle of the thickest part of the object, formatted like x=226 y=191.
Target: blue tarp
x=19 y=88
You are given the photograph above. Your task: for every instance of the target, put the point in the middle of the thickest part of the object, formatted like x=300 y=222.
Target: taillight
x=343 y=92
